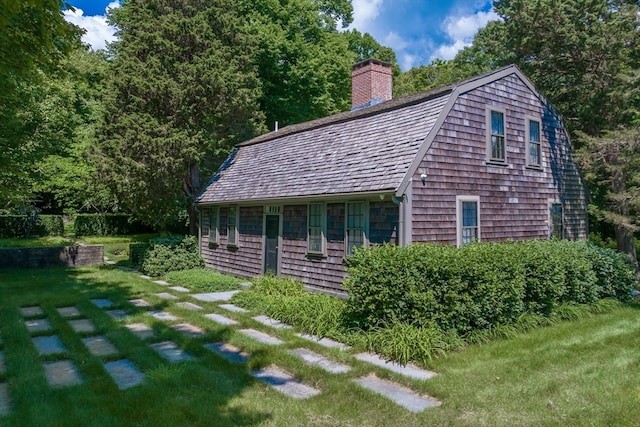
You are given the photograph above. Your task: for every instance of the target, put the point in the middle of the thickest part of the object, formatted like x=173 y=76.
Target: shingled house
x=484 y=159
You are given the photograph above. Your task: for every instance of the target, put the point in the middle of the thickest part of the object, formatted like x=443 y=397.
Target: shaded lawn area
x=576 y=373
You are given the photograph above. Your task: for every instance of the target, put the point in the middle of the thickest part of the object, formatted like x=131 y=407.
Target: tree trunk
x=624 y=239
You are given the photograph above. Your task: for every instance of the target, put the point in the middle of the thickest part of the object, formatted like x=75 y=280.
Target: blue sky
x=418 y=30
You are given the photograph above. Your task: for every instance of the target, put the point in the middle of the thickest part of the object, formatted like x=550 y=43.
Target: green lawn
x=576 y=373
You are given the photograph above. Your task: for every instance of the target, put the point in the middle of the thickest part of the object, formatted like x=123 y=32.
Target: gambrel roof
x=374 y=150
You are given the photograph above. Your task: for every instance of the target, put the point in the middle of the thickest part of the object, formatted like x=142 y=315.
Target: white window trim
x=488 y=110
x=528 y=120
x=365 y=228
x=551 y=203
x=214 y=229
x=236 y=234
x=323 y=229
x=459 y=200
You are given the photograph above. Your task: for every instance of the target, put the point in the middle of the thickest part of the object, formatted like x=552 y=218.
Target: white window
x=556 y=227
x=232 y=226
x=204 y=227
x=468 y=219
x=534 y=151
x=356 y=226
x=316 y=228
x=213 y=226
x=496 y=143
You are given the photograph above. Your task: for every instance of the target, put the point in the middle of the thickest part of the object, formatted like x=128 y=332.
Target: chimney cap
x=368 y=62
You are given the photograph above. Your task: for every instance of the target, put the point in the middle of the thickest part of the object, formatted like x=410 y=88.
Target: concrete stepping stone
x=162 y=315
x=127 y=269
x=82 y=325
x=227 y=351
x=270 y=322
x=220 y=319
x=31 y=311
x=144 y=276
x=179 y=289
x=66 y=312
x=320 y=361
x=124 y=373
x=189 y=330
x=409 y=370
x=140 y=330
x=5 y=399
x=102 y=302
x=245 y=285
x=100 y=346
x=3 y=367
x=400 y=395
x=232 y=307
x=109 y=262
x=139 y=303
x=157 y=282
x=62 y=373
x=325 y=342
x=215 y=296
x=170 y=351
x=189 y=306
x=165 y=295
x=261 y=337
x=285 y=383
x=38 y=325
x=49 y=345
x=117 y=314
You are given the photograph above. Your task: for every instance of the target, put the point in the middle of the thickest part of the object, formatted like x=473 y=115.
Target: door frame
x=272 y=210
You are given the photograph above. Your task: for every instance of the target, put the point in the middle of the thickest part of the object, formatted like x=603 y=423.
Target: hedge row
x=19 y=226
x=165 y=254
x=480 y=286
x=107 y=225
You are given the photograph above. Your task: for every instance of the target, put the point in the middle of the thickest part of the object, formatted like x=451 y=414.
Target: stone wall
x=59 y=256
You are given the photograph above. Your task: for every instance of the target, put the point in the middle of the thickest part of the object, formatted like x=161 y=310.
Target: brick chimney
x=371 y=83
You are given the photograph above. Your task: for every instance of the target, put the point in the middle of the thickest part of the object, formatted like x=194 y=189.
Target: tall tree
x=181 y=90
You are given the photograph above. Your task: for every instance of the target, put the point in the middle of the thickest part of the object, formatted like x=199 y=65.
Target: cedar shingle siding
x=408 y=159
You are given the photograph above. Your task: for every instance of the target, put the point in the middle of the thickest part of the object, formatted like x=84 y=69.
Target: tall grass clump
x=202 y=280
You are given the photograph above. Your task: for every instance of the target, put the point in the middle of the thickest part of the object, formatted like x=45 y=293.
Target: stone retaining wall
x=58 y=256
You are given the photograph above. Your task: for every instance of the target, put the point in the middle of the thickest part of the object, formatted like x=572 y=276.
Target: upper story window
x=356 y=226
x=232 y=226
x=316 y=228
x=213 y=226
x=534 y=149
x=496 y=141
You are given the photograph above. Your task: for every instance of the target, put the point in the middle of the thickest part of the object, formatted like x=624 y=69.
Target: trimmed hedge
x=106 y=225
x=172 y=253
x=46 y=225
x=480 y=286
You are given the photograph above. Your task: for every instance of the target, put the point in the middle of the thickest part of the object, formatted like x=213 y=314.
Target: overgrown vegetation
x=171 y=253
x=106 y=225
x=202 y=280
x=27 y=225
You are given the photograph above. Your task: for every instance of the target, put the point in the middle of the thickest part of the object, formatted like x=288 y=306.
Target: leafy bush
x=136 y=252
x=172 y=253
x=106 y=225
x=50 y=225
x=23 y=225
x=203 y=280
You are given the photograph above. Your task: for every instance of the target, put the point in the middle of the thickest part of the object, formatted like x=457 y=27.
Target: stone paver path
x=227 y=351
x=49 y=345
x=158 y=282
x=325 y=342
x=162 y=315
x=170 y=351
x=82 y=325
x=320 y=361
x=117 y=314
x=124 y=373
x=166 y=295
x=144 y=276
x=232 y=307
x=140 y=330
x=403 y=397
x=31 y=311
x=62 y=373
x=2 y=365
x=100 y=346
x=5 y=400
x=220 y=319
x=272 y=323
x=71 y=311
x=139 y=303
x=409 y=370
x=189 y=306
x=215 y=296
x=285 y=383
x=261 y=337
x=189 y=330
x=179 y=289
x=38 y=325
x=102 y=302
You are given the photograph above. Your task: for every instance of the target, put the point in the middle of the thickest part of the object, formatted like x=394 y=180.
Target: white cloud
x=98 y=31
x=365 y=13
x=395 y=42
x=461 y=29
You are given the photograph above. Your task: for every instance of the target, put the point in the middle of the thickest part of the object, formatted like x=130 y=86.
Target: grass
x=203 y=280
x=36 y=242
x=582 y=372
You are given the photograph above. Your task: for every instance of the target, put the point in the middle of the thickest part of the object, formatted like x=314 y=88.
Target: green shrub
x=136 y=253
x=23 y=225
x=171 y=253
x=106 y=225
x=49 y=225
x=203 y=280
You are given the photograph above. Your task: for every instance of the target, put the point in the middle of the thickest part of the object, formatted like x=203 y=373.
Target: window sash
x=469 y=221
x=497 y=140
x=356 y=220
x=232 y=226
x=534 y=143
x=213 y=225
x=315 y=228
x=557 y=229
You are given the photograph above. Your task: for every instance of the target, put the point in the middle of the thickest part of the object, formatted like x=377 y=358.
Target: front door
x=272 y=234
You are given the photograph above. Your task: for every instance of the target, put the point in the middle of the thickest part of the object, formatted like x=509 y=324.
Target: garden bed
x=55 y=256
